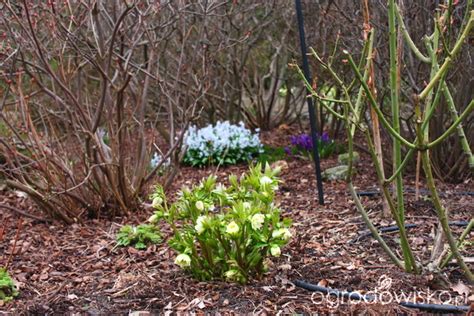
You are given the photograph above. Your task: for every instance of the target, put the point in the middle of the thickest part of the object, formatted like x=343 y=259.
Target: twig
x=14 y=209
x=18 y=229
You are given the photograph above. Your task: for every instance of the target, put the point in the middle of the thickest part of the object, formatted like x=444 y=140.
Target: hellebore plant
x=225 y=232
x=302 y=145
x=223 y=144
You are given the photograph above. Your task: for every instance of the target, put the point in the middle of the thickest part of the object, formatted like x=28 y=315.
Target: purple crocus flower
x=325 y=137
x=307 y=142
x=294 y=140
x=303 y=143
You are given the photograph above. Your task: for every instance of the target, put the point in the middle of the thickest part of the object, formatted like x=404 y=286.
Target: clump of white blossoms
x=223 y=143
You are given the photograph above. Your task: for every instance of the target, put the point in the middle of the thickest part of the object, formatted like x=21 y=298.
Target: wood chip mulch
x=77 y=269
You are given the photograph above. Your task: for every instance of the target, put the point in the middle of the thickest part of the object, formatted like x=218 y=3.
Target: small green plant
x=271 y=154
x=226 y=232
x=8 y=290
x=140 y=237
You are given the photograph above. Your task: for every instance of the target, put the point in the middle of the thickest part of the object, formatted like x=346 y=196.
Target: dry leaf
x=284 y=267
x=72 y=297
x=282 y=164
x=323 y=283
x=461 y=288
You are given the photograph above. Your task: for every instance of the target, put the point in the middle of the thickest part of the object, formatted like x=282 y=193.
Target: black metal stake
x=312 y=118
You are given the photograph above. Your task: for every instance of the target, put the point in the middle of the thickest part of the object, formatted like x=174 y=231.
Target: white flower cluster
x=215 y=140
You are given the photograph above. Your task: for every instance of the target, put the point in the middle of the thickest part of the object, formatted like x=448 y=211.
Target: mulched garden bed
x=77 y=269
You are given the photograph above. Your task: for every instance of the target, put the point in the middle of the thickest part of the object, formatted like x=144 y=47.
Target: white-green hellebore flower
x=200 y=205
x=220 y=189
x=199 y=227
x=275 y=251
x=246 y=205
x=265 y=180
x=231 y=274
x=156 y=202
x=232 y=228
x=257 y=221
x=153 y=219
x=283 y=233
x=183 y=260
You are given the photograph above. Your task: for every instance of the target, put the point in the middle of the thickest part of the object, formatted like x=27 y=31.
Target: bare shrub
x=84 y=83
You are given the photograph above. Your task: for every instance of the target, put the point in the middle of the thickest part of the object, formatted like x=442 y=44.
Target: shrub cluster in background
x=225 y=232
x=302 y=145
x=223 y=143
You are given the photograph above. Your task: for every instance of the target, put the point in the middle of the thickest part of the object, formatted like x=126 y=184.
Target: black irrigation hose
x=407 y=226
x=438 y=308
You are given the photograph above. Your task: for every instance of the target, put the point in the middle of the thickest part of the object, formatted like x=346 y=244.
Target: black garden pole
x=312 y=118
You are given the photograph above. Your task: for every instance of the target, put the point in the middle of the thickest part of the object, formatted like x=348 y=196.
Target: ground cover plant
x=139 y=236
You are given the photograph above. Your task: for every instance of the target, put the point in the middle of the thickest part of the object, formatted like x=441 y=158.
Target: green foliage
x=271 y=154
x=140 y=236
x=4 y=130
x=8 y=290
x=326 y=150
x=226 y=232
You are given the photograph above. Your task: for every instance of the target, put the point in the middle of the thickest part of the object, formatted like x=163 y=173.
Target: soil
x=75 y=269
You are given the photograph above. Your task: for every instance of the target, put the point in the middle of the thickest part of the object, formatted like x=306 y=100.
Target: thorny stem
x=372 y=228
x=397 y=148
x=408 y=39
x=448 y=61
x=373 y=103
x=466 y=231
x=443 y=217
